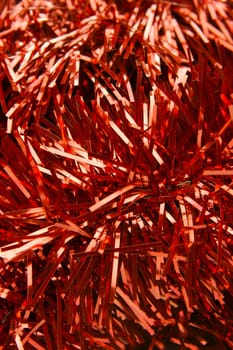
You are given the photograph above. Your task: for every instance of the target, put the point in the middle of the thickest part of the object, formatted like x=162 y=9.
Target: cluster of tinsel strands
x=116 y=165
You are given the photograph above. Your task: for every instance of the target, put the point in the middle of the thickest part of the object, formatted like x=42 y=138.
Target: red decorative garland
x=116 y=168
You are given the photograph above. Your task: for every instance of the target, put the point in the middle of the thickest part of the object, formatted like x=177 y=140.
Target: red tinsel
x=116 y=165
